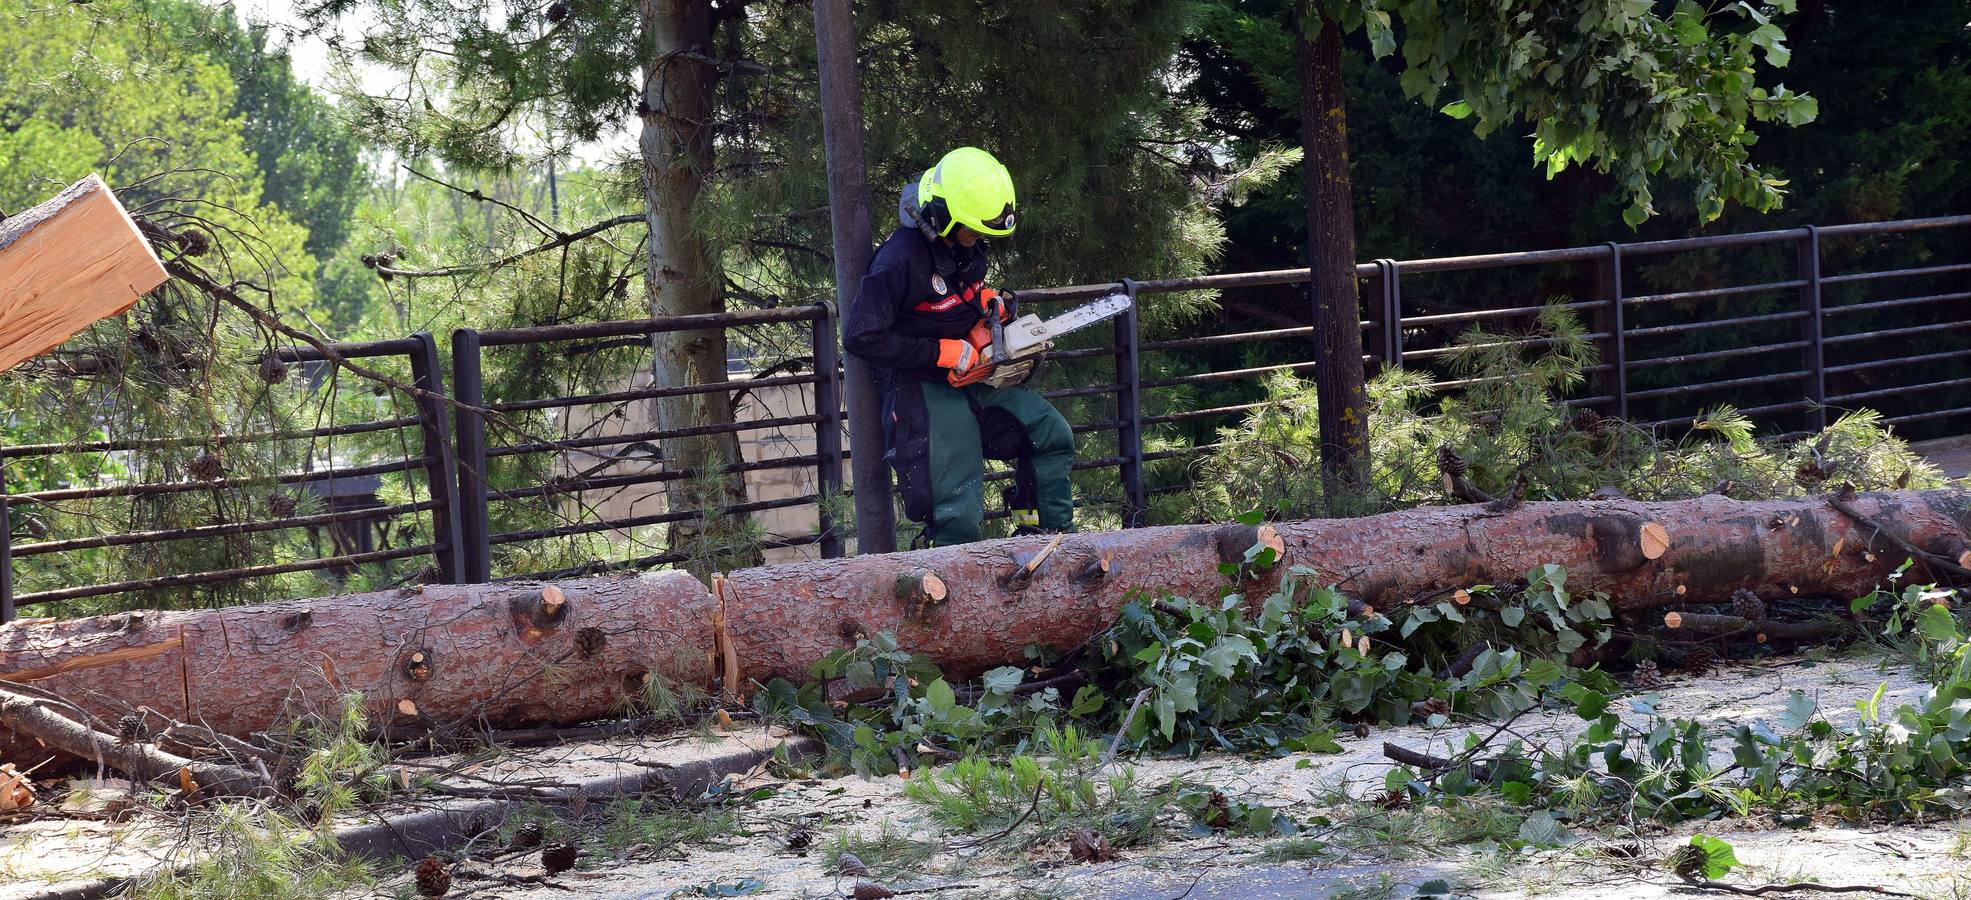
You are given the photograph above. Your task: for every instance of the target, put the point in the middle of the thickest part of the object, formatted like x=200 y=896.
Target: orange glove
x=993 y=304
x=969 y=360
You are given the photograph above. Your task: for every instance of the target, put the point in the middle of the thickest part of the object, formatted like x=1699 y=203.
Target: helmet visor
x=1000 y=225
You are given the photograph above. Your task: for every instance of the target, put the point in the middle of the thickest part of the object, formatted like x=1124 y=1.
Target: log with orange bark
x=454 y=657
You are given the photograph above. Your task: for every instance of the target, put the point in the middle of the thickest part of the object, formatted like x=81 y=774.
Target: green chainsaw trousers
x=940 y=437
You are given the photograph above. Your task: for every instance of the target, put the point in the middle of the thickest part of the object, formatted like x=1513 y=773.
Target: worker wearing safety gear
x=919 y=319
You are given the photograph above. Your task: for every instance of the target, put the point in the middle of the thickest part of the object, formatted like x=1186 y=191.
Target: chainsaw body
x=1014 y=349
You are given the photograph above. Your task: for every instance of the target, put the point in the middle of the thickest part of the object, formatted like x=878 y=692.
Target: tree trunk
x=505 y=656
x=1338 y=378
x=681 y=277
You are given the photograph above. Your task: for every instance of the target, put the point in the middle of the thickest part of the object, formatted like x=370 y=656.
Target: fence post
x=6 y=552
x=441 y=471
x=475 y=557
x=1614 y=348
x=1389 y=281
x=1129 y=413
x=1808 y=256
x=828 y=431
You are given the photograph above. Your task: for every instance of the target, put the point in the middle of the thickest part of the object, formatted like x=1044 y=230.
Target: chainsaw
x=1016 y=347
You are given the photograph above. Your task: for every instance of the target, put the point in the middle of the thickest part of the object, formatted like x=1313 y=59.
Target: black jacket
x=916 y=292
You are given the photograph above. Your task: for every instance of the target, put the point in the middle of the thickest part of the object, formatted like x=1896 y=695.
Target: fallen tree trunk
x=451 y=657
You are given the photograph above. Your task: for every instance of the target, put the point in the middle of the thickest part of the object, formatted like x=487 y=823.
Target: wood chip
x=16 y=791
x=724 y=720
x=1655 y=540
x=1461 y=597
x=406 y=708
x=1843 y=542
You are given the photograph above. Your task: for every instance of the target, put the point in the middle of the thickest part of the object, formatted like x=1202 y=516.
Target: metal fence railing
x=332 y=497
x=1790 y=326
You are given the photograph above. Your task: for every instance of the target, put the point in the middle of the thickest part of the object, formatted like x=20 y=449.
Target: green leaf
x=1718 y=857
x=1087 y=701
x=1250 y=517
x=1588 y=704
x=1517 y=793
x=1799 y=711
x=1457 y=109
x=1004 y=679
x=1150 y=654
x=1936 y=623
x=1541 y=829
x=940 y=696
x=1224 y=656
x=1166 y=714
x=1512 y=615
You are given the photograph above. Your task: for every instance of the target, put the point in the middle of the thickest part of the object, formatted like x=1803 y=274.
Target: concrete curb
x=435 y=830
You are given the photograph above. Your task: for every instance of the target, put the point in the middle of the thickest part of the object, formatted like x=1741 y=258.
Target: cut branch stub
x=1096 y=569
x=921 y=590
x=1655 y=540
x=417 y=666
x=1027 y=565
x=535 y=612
x=1235 y=540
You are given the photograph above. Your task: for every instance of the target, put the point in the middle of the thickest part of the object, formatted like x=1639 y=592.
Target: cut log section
x=497 y=656
x=67 y=264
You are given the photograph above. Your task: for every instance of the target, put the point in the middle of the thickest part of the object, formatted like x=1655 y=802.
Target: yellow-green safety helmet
x=967 y=187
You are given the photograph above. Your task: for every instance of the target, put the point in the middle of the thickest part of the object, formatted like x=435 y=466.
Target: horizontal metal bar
x=353 y=350
x=652 y=393
x=1934 y=414
x=224 y=440
x=603 y=567
x=1687 y=327
x=1708 y=293
x=1660 y=361
x=514 y=537
x=634 y=437
x=1458 y=383
x=1492 y=260
x=652 y=477
x=499 y=337
x=1220 y=339
x=1754 y=411
x=241 y=574
x=180 y=487
x=1526 y=342
x=209 y=531
x=1085 y=427
x=1898 y=226
x=1749 y=381
x=1894 y=273
x=1058 y=393
x=1898 y=361
x=1476 y=314
x=1227 y=375
x=1083 y=353
x=1181 y=452
x=1891 y=304
x=1869 y=395
x=1896 y=332
x=1204 y=413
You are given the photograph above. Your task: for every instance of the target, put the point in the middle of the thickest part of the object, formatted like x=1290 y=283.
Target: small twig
x=1127 y=721
x=1764 y=889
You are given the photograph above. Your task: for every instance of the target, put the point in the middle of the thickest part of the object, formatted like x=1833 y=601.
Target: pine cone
x=558 y=858
x=271 y=370
x=1700 y=662
x=207 y=467
x=1687 y=861
x=1089 y=846
x=557 y=12
x=280 y=506
x=130 y=729
x=1647 y=675
x=1587 y=420
x=432 y=879
x=527 y=837
x=849 y=864
x=589 y=641
x=870 y=890
x=799 y=838
x=1747 y=605
x=1450 y=462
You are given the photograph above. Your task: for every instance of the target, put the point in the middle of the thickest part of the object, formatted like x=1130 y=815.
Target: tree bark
x=681 y=277
x=1339 y=376
x=504 y=656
